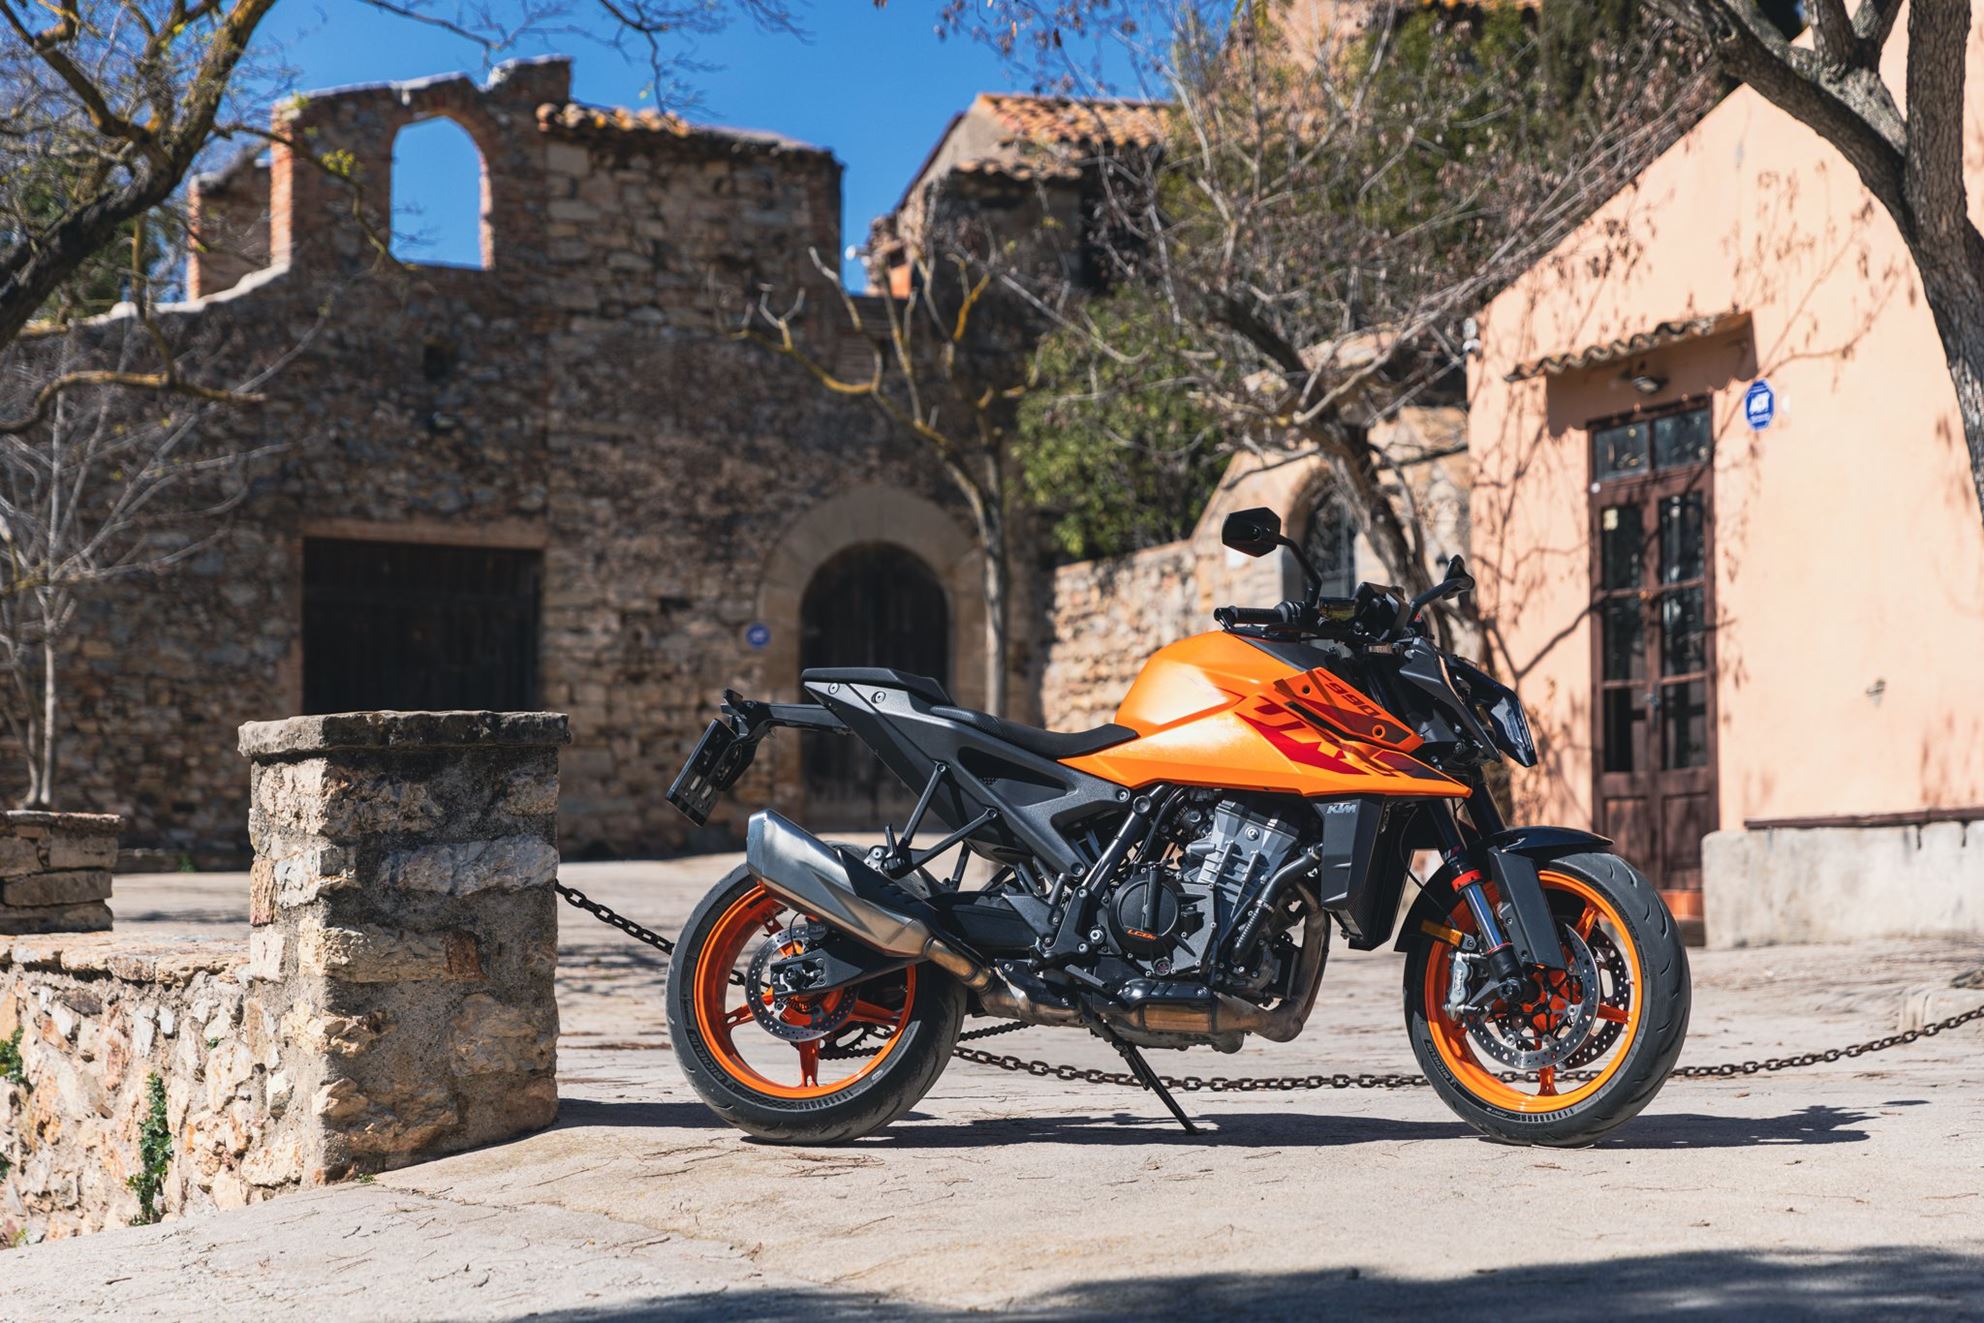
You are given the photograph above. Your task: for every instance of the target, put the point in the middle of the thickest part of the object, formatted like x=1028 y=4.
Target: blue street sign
x=758 y=634
x=1759 y=405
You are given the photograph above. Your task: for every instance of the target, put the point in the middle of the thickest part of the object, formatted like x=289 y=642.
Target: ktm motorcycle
x=1172 y=880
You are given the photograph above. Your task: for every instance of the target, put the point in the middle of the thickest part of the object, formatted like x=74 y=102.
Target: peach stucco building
x=1769 y=637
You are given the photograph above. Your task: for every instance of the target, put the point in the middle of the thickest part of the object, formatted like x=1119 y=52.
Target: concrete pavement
x=1849 y=1190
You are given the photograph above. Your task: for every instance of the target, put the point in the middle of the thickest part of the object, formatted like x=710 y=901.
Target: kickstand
x=1148 y=1078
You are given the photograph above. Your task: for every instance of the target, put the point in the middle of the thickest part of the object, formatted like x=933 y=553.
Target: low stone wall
x=55 y=871
x=393 y=1001
x=1842 y=884
x=92 y=1019
x=1106 y=618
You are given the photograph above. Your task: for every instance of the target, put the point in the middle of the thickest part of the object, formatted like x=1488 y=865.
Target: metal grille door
x=416 y=627
x=874 y=605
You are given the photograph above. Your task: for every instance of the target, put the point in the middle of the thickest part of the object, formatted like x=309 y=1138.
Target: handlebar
x=1326 y=612
x=1254 y=615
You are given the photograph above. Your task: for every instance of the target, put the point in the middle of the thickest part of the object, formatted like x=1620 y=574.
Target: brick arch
x=863 y=515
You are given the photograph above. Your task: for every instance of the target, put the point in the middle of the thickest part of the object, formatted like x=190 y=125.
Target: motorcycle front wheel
x=1587 y=1048
x=820 y=1069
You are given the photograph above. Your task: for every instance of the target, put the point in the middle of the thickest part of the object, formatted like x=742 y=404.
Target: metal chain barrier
x=1286 y=1083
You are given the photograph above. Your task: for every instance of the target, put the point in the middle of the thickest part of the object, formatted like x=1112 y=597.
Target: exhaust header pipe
x=803 y=870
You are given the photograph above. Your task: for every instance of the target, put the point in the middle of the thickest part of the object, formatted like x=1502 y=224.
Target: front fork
x=1498 y=953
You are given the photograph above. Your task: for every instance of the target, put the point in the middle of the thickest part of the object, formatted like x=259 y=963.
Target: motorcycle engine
x=1165 y=915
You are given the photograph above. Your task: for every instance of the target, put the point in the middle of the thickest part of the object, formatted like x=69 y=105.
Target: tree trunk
x=1956 y=299
x=44 y=789
x=998 y=581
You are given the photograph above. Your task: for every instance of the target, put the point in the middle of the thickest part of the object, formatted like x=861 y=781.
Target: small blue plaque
x=1759 y=405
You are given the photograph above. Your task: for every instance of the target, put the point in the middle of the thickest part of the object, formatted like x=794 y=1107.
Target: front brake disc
x=1512 y=1036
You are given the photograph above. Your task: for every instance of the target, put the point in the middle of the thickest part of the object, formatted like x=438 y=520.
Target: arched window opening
x=440 y=196
x=1329 y=539
x=870 y=605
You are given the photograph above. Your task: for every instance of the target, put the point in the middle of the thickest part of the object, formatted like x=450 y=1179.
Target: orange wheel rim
x=723 y=1012
x=1458 y=1052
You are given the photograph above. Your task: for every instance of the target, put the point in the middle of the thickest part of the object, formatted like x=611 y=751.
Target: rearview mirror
x=1457 y=574
x=1253 y=532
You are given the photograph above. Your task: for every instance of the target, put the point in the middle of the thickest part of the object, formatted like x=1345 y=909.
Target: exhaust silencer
x=803 y=870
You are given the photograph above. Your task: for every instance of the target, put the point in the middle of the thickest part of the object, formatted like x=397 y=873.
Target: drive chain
x=1286 y=1083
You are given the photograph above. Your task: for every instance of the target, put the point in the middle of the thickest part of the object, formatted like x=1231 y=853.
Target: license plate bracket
x=719 y=758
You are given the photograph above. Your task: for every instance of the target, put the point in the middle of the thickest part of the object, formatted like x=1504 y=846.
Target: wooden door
x=1653 y=648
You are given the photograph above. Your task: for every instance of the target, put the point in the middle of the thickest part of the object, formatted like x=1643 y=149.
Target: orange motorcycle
x=1172 y=880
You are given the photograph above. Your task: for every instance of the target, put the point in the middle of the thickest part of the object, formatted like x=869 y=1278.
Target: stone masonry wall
x=55 y=871
x=401 y=898
x=394 y=999
x=1108 y=617
x=580 y=398
x=96 y=1017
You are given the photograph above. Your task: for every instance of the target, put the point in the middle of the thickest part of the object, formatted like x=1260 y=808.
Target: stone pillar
x=401 y=899
x=55 y=871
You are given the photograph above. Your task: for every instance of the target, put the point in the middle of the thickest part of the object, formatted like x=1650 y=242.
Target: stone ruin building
x=554 y=482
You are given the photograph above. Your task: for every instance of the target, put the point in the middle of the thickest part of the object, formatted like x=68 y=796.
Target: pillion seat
x=1044 y=743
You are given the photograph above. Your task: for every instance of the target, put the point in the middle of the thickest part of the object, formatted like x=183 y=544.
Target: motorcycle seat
x=1053 y=744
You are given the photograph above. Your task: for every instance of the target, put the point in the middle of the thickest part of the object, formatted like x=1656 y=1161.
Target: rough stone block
x=91 y=917
x=66 y=888
x=74 y=851
x=374 y=955
x=464 y=868
x=18 y=856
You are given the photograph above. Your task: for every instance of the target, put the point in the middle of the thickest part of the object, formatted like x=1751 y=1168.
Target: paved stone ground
x=1842 y=1191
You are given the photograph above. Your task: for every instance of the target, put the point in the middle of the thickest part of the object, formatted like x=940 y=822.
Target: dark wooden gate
x=418 y=627
x=1653 y=648
x=874 y=605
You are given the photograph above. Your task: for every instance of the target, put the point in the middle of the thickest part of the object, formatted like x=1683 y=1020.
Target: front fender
x=1511 y=857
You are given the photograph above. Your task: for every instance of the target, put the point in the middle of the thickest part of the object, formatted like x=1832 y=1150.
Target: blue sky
x=875 y=86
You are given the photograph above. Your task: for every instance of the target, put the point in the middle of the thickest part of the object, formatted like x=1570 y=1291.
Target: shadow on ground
x=1919 y=1284
x=1291 y=1128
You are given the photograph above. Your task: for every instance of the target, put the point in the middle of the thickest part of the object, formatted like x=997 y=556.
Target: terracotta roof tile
x=1625 y=346
x=1060 y=120
x=575 y=118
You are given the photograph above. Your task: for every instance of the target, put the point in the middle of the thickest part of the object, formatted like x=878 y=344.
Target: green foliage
x=1118 y=455
x=154 y=1154
x=11 y=1069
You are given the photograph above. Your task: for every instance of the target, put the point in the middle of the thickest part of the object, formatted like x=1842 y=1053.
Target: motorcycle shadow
x=1229 y=1129
x=1817 y=1124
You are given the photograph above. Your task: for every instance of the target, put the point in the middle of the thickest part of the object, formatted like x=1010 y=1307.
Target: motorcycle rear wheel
x=1639 y=1022
x=809 y=1070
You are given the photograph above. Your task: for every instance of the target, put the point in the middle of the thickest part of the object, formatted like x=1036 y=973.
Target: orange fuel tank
x=1214 y=710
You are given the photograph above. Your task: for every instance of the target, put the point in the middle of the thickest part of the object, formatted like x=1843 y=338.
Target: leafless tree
x=945 y=362
x=1324 y=220
x=107 y=485
x=1908 y=153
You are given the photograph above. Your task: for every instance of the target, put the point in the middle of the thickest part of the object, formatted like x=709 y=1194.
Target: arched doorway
x=1329 y=538
x=870 y=605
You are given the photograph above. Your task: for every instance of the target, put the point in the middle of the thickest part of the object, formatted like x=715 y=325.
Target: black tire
x=866 y=1105
x=1666 y=996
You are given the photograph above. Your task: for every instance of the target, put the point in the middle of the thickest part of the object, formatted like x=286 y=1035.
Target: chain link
x=1286 y=1083
x=1339 y=1080
x=606 y=914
